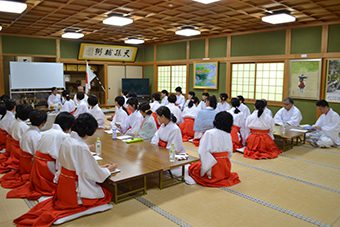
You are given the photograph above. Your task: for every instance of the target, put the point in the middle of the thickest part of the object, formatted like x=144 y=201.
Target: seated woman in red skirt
x=214 y=167
x=238 y=129
x=189 y=115
x=260 y=142
x=78 y=177
x=3 y=133
x=5 y=123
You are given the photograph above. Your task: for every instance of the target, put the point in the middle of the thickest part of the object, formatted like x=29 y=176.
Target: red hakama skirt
x=3 y=138
x=187 y=129
x=14 y=155
x=154 y=114
x=236 y=138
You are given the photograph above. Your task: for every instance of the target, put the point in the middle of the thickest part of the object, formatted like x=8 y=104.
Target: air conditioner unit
x=24 y=59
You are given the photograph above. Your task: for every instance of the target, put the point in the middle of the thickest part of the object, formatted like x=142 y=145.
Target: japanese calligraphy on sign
x=90 y=51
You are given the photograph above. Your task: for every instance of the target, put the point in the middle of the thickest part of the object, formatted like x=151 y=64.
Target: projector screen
x=35 y=75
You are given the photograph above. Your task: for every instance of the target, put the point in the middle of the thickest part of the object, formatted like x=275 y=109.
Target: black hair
x=80 y=95
x=156 y=96
x=53 y=88
x=92 y=100
x=10 y=104
x=322 y=103
x=145 y=107
x=165 y=92
x=192 y=93
x=260 y=105
x=212 y=101
x=4 y=97
x=38 y=117
x=165 y=111
x=132 y=95
x=3 y=109
x=66 y=95
x=133 y=102
x=240 y=97
x=121 y=101
x=289 y=99
x=23 y=111
x=235 y=102
x=65 y=120
x=224 y=121
x=178 y=89
x=265 y=102
x=193 y=100
x=205 y=94
x=224 y=96
x=125 y=92
x=172 y=98
x=85 y=125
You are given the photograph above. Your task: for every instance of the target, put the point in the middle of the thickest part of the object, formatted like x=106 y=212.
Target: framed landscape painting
x=304 y=79
x=206 y=75
x=333 y=81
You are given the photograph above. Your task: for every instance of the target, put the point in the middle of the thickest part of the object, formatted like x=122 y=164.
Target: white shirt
x=148 y=128
x=239 y=121
x=30 y=140
x=75 y=155
x=75 y=100
x=171 y=134
x=180 y=101
x=190 y=112
x=222 y=106
x=53 y=100
x=264 y=122
x=68 y=106
x=164 y=101
x=82 y=107
x=202 y=105
x=292 y=117
x=18 y=128
x=132 y=125
x=268 y=111
x=6 y=122
x=154 y=106
x=213 y=141
x=97 y=113
x=175 y=110
x=245 y=110
x=330 y=125
x=120 y=117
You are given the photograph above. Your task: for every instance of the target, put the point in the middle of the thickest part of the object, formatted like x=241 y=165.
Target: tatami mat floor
x=300 y=188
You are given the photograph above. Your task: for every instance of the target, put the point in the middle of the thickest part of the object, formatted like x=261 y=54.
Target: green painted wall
x=217 y=47
x=171 y=51
x=334 y=38
x=69 y=49
x=148 y=71
x=148 y=53
x=266 y=43
x=306 y=40
x=25 y=45
x=197 y=48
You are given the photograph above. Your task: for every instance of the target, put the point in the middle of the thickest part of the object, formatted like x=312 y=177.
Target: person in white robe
x=96 y=111
x=68 y=104
x=223 y=105
x=75 y=99
x=243 y=107
x=164 y=95
x=169 y=132
x=264 y=122
x=54 y=100
x=120 y=115
x=192 y=109
x=148 y=127
x=156 y=99
x=9 y=117
x=327 y=127
x=82 y=107
x=175 y=110
x=288 y=114
x=134 y=121
x=180 y=101
x=191 y=94
x=202 y=105
x=238 y=118
x=205 y=118
x=19 y=126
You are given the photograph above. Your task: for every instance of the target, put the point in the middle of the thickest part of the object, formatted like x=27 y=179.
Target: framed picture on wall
x=333 y=81
x=304 y=79
x=206 y=75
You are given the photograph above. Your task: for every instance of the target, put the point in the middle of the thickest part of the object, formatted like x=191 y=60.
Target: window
x=258 y=80
x=170 y=77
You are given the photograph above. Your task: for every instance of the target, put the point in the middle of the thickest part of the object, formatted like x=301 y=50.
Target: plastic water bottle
x=114 y=133
x=283 y=129
x=172 y=153
x=98 y=147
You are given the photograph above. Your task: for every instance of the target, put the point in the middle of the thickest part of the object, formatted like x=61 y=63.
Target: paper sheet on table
x=97 y=158
x=125 y=137
x=108 y=131
x=241 y=149
x=180 y=157
x=298 y=130
x=115 y=171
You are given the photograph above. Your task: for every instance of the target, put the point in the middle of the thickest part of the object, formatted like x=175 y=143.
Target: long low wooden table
x=136 y=161
x=289 y=138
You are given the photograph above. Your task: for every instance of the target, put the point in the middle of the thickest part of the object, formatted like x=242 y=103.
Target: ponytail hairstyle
x=212 y=101
x=223 y=97
x=145 y=107
x=133 y=102
x=121 y=101
x=235 y=103
x=224 y=121
x=260 y=105
x=165 y=111
x=193 y=101
x=240 y=97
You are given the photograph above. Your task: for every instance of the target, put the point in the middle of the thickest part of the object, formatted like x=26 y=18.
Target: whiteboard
x=35 y=75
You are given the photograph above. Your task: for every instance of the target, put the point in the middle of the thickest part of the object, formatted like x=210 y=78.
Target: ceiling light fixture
x=72 y=34
x=133 y=41
x=188 y=31
x=117 y=20
x=12 y=6
x=206 y=1
x=279 y=17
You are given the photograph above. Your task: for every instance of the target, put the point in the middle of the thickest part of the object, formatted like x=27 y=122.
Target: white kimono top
x=202 y=105
x=75 y=100
x=222 y=107
x=291 y=117
x=171 y=134
x=239 y=121
x=175 y=110
x=30 y=140
x=82 y=107
x=97 y=113
x=53 y=100
x=165 y=101
x=18 y=129
x=133 y=123
x=245 y=110
x=190 y=112
x=6 y=122
x=68 y=106
x=205 y=120
x=330 y=125
x=264 y=122
x=180 y=101
x=75 y=155
x=148 y=128
x=213 y=141
x=154 y=106
x=120 y=117
x=268 y=111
